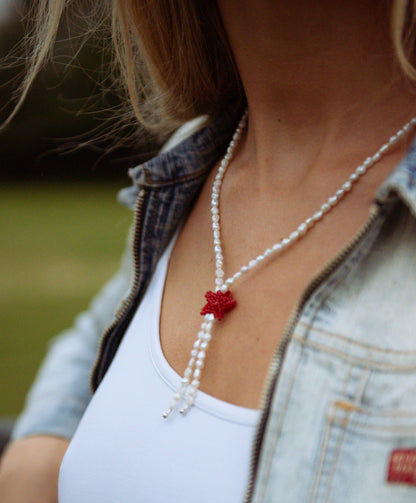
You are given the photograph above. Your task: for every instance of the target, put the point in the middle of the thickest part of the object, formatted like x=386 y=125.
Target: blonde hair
x=172 y=57
x=403 y=33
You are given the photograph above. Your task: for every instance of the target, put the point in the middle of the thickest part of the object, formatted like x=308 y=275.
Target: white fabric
x=125 y=452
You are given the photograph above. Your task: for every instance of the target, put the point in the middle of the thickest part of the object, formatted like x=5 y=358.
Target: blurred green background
x=59 y=243
x=61 y=229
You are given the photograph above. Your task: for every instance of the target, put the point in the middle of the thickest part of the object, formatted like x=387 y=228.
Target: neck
x=316 y=74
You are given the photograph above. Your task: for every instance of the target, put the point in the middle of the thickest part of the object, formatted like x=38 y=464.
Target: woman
x=315 y=359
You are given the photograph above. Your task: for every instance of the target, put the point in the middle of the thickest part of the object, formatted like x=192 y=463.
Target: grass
x=58 y=244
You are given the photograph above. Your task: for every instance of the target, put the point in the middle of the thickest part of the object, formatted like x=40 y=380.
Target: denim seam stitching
x=341 y=437
x=324 y=447
x=364 y=362
x=356 y=343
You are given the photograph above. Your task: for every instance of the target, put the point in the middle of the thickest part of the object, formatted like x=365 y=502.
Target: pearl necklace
x=220 y=301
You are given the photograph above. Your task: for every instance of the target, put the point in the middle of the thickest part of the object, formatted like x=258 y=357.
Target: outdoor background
x=62 y=230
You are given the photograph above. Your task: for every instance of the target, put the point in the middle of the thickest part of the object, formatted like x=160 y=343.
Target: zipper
x=277 y=361
x=125 y=304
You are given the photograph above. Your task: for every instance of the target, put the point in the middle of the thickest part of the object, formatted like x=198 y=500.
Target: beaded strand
x=221 y=301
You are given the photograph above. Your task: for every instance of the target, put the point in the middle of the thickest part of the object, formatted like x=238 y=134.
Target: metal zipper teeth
x=120 y=313
x=276 y=364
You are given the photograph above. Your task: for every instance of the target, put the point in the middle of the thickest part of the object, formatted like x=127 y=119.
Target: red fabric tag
x=402 y=467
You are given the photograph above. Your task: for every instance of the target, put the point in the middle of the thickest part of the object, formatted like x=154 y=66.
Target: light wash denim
x=344 y=396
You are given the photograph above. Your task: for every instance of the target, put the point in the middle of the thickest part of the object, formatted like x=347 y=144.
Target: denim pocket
x=355 y=455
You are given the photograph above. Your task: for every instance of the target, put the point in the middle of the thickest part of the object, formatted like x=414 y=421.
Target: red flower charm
x=218 y=303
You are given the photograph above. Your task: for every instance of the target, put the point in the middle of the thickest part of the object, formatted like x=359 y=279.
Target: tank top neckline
x=207 y=403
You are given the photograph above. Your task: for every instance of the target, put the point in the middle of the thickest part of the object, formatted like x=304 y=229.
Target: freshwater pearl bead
x=301 y=229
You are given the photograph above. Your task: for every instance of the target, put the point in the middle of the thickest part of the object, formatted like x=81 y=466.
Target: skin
x=323 y=93
x=29 y=470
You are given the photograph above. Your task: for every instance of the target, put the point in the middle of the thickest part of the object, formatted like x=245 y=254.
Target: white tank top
x=125 y=452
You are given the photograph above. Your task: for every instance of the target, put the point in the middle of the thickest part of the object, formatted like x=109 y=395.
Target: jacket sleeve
x=61 y=392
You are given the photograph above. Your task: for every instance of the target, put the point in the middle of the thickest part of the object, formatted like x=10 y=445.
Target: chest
x=244 y=342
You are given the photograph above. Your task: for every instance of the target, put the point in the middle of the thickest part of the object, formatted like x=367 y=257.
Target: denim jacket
x=338 y=417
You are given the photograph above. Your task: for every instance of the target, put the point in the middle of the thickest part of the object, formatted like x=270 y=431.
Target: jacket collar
x=402 y=182
x=190 y=157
